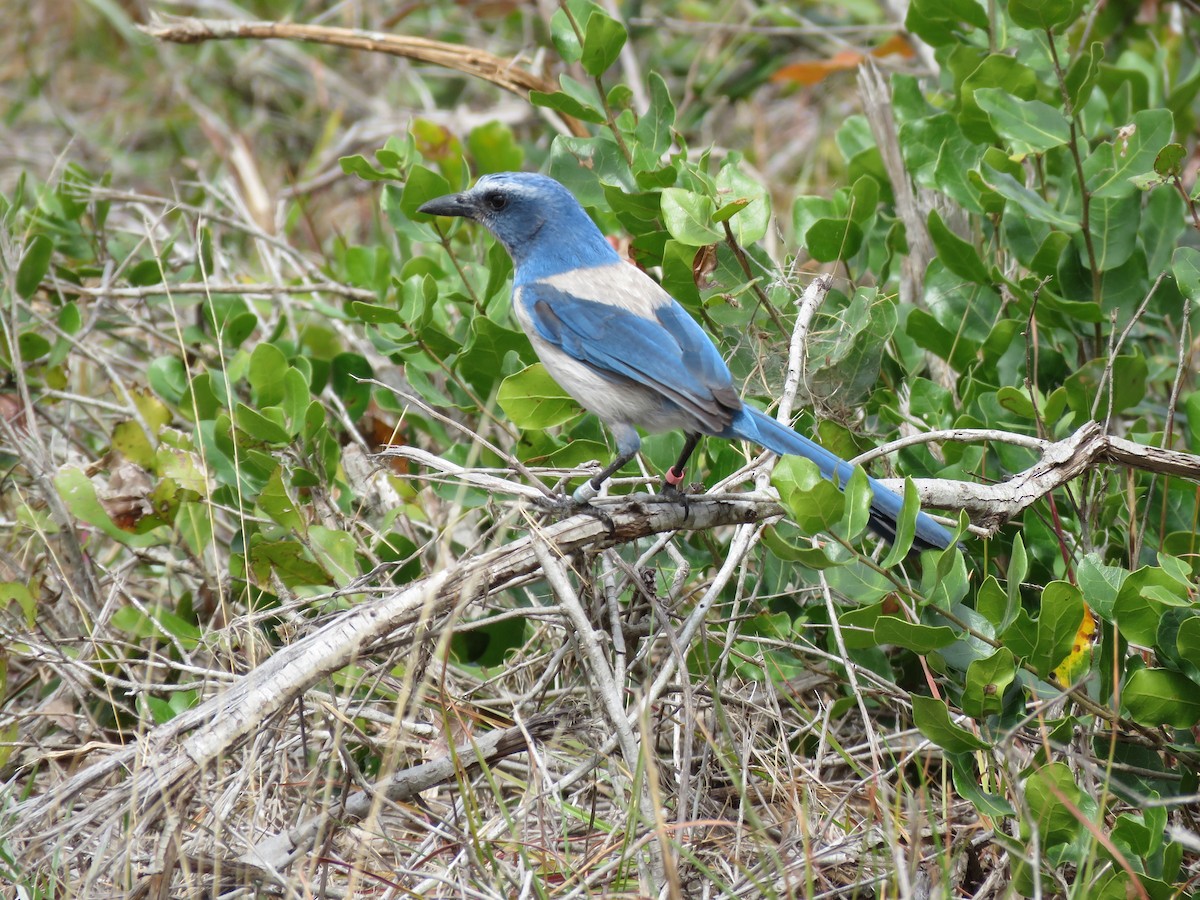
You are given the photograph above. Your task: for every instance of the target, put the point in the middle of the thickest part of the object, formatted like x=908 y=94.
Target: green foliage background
x=192 y=383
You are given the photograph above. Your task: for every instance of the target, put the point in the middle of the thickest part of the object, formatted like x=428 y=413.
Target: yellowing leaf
x=1079 y=660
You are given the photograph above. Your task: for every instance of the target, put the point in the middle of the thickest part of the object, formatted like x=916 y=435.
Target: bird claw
x=673 y=492
x=562 y=506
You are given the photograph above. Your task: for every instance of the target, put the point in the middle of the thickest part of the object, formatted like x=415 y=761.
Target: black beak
x=449 y=205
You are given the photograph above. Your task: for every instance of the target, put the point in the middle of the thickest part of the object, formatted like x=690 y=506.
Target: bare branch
x=470 y=61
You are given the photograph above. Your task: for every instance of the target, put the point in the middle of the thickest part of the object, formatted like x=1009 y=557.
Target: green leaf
x=147 y=272
x=830 y=239
x=996 y=70
x=863 y=199
x=932 y=719
x=167 y=377
x=1127 y=385
x=811 y=557
x=1030 y=126
x=334 y=549
x=488 y=644
x=421 y=186
x=992 y=603
x=1158 y=697
x=929 y=334
x=744 y=202
x=345 y=372
x=857 y=491
x=129 y=439
x=1100 y=584
x=730 y=209
x=14 y=591
x=1185 y=266
x=79 y=494
x=287 y=560
x=265 y=374
x=986 y=682
x=922 y=639
x=564 y=103
x=34 y=265
x=939 y=22
x=1169 y=162
x=32 y=346
x=957 y=255
x=494 y=149
x=1187 y=647
x=1141 y=601
x=1082 y=74
x=1045 y=15
x=360 y=166
x=261 y=426
x=276 y=502
x=603 y=39
x=533 y=400
x=906 y=526
x=374 y=314
x=1113 y=224
x=814 y=503
x=1026 y=200
x=1048 y=791
x=563 y=31
x=585 y=165
x=967 y=784
x=653 y=131
x=688 y=217
x=1110 y=166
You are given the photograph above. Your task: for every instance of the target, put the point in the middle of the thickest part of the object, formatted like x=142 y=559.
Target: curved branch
x=468 y=60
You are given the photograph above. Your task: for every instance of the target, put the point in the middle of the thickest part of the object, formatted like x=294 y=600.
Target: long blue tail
x=752 y=425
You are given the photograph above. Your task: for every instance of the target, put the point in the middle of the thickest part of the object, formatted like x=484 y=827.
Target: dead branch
x=470 y=61
x=990 y=506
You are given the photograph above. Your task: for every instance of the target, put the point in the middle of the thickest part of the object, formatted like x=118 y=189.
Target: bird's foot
x=560 y=506
x=674 y=490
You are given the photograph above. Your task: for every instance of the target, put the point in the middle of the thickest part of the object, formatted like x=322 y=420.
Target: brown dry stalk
x=468 y=60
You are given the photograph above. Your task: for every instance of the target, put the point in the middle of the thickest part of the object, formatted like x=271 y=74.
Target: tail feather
x=752 y=425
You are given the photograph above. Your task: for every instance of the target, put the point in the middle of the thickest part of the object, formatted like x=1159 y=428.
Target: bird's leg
x=587 y=491
x=673 y=477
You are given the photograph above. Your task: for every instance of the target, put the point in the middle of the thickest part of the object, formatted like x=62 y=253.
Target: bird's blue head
x=539 y=222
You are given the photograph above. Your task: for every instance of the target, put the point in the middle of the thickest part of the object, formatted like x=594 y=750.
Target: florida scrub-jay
x=622 y=346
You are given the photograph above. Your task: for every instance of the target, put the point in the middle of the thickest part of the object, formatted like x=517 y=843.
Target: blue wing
x=667 y=353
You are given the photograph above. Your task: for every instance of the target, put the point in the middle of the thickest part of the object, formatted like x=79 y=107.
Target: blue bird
x=622 y=346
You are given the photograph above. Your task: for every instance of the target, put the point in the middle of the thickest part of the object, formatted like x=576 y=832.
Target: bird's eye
x=496 y=200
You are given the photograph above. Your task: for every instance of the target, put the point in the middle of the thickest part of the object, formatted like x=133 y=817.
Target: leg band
x=585 y=492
